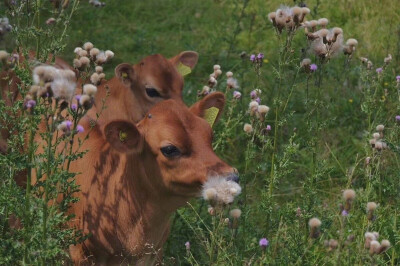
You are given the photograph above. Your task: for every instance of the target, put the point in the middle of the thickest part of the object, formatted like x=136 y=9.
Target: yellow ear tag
x=183 y=70
x=124 y=75
x=122 y=136
x=210 y=115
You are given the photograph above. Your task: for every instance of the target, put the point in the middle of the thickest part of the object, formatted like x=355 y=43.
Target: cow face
x=156 y=78
x=175 y=144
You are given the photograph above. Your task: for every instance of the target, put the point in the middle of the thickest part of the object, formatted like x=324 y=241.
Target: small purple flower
x=268 y=128
x=313 y=67
x=237 y=95
x=379 y=70
x=260 y=56
x=78 y=97
x=252 y=58
x=258 y=100
x=253 y=94
x=79 y=129
x=398 y=118
x=30 y=104
x=68 y=124
x=398 y=78
x=345 y=213
x=74 y=107
x=263 y=243
x=187 y=245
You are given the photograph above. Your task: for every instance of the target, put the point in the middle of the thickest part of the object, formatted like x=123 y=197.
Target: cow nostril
x=233 y=177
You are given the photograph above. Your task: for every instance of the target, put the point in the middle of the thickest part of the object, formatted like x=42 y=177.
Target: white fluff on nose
x=218 y=190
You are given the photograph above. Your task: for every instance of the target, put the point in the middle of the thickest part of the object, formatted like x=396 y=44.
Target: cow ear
x=210 y=107
x=185 y=61
x=125 y=73
x=123 y=136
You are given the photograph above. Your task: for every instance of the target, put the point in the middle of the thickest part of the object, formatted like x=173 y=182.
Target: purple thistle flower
x=313 y=67
x=345 y=213
x=258 y=100
x=268 y=128
x=260 y=56
x=237 y=95
x=78 y=97
x=398 y=118
x=187 y=245
x=68 y=124
x=252 y=58
x=253 y=94
x=379 y=70
x=74 y=107
x=263 y=243
x=79 y=129
x=398 y=78
x=30 y=104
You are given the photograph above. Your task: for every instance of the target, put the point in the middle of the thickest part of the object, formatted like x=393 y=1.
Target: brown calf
x=136 y=88
x=135 y=182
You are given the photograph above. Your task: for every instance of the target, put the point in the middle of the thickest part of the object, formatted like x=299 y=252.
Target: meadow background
x=314 y=161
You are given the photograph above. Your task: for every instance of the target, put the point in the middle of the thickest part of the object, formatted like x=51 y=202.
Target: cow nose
x=234 y=176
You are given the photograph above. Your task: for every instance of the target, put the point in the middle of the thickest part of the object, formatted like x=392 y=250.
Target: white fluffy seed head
x=88 y=46
x=371 y=206
x=63 y=88
x=101 y=58
x=99 y=69
x=235 y=213
x=77 y=50
x=84 y=61
x=89 y=89
x=216 y=67
x=370 y=236
x=253 y=105
x=94 y=52
x=376 y=234
x=226 y=191
x=229 y=74
x=102 y=76
x=84 y=100
x=380 y=128
x=263 y=109
x=271 y=16
x=305 y=10
x=376 y=135
x=3 y=55
x=296 y=10
x=314 y=222
x=352 y=42
x=109 y=54
x=323 y=22
x=248 y=128
x=82 y=53
x=374 y=247
x=337 y=31
x=95 y=78
x=385 y=243
x=209 y=194
x=305 y=62
x=349 y=194
x=378 y=145
x=76 y=63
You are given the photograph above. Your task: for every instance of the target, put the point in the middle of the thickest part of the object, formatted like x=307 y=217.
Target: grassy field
x=319 y=139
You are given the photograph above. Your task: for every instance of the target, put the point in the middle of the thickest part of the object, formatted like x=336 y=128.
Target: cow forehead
x=161 y=71
x=173 y=117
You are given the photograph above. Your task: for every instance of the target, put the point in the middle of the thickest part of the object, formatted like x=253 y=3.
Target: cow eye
x=170 y=151
x=152 y=93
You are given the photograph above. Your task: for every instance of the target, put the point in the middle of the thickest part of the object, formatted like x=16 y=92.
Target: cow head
x=174 y=143
x=156 y=78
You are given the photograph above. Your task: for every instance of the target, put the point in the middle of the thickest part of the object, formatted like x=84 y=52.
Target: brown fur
x=126 y=198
